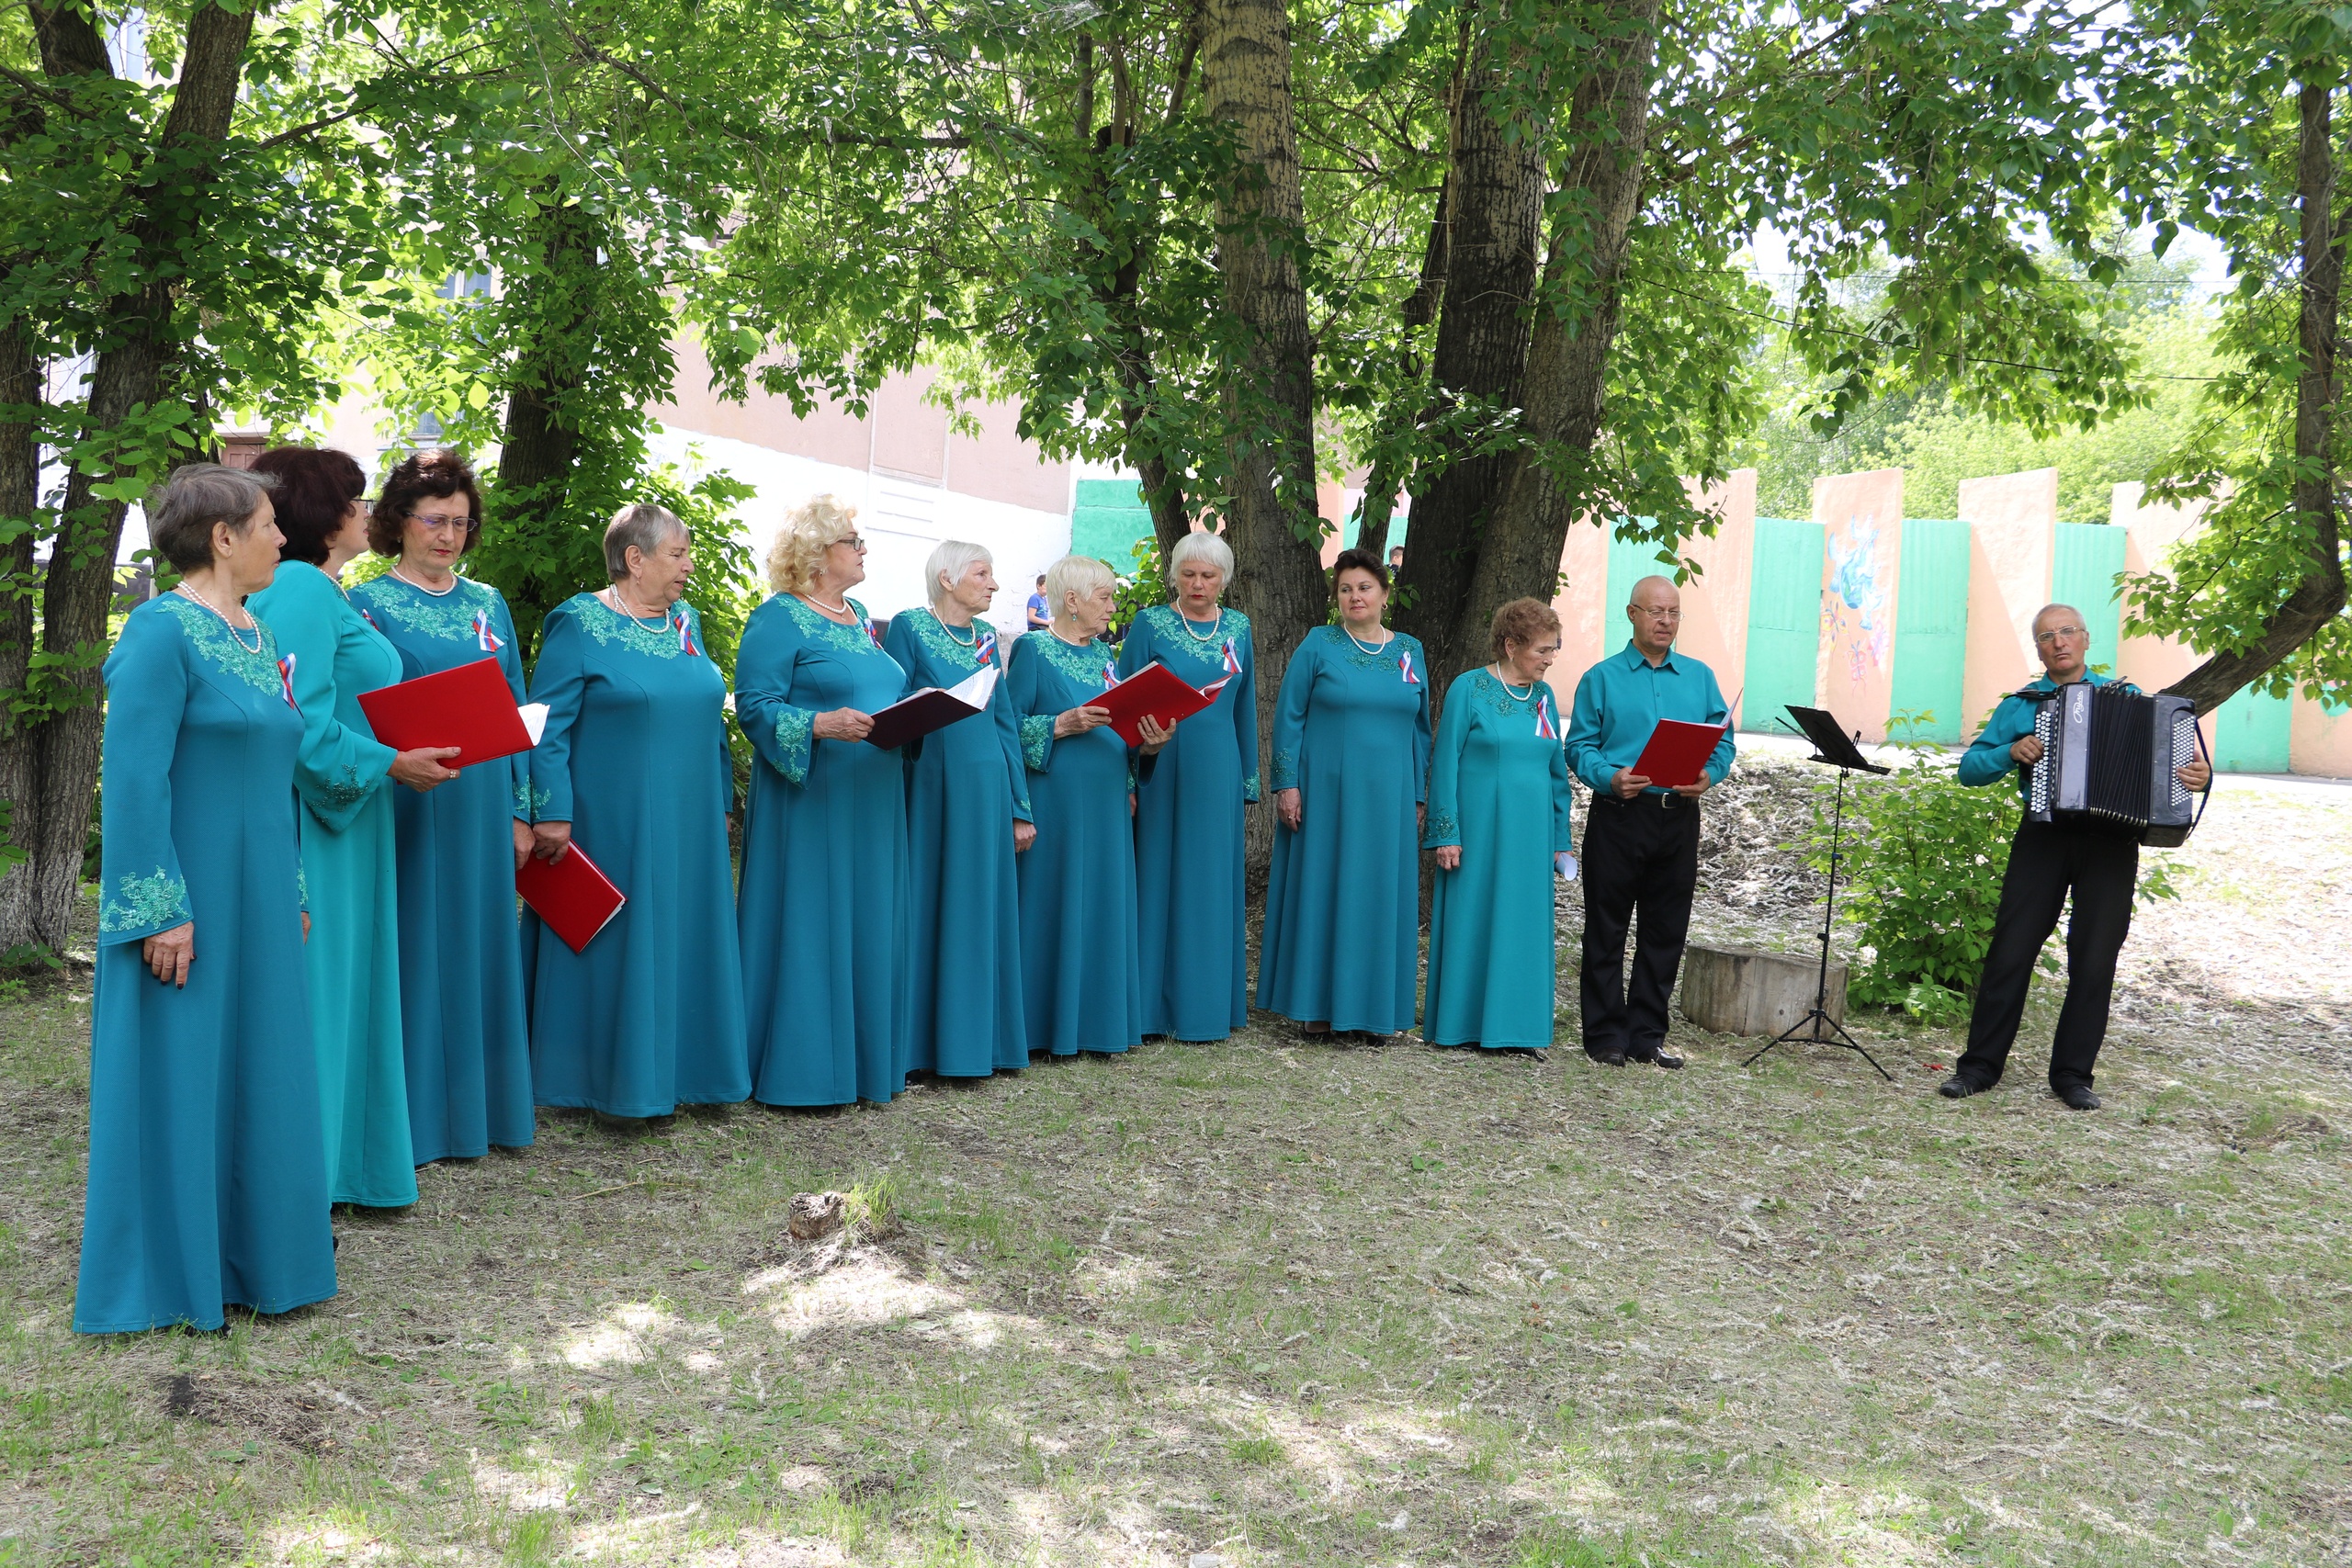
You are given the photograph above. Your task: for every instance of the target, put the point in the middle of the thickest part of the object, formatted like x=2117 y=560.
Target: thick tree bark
x=1567 y=361
x=1495 y=225
x=2319 y=598
x=20 y=387
x=1271 y=520
x=559 y=301
x=1386 y=476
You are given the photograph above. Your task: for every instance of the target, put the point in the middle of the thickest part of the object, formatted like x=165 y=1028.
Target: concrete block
x=1738 y=991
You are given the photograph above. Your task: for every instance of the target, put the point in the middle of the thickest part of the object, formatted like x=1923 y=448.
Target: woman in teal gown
x=207 y=1179
x=1080 y=983
x=1351 y=750
x=1190 y=937
x=353 y=956
x=968 y=815
x=823 y=911
x=1498 y=820
x=633 y=768
x=464 y=1038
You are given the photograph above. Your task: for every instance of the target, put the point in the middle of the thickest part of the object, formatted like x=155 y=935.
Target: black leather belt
x=1655 y=802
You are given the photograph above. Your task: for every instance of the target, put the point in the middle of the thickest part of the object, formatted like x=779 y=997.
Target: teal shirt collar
x=1631 y=659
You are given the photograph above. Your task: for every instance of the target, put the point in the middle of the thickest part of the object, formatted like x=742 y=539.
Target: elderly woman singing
x=968 y=815
x=207 y=1177
x=822 y=913
x=633 y=766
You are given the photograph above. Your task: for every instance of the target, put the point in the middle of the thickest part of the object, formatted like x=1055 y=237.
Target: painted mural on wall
x=1857 y=604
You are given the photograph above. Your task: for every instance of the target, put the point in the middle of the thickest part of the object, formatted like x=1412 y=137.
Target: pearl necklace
x=661 y=618
x=256 y=649
x=959 y=642
x=1088 y=642
x=1515 y=697
x=1186 y=622
x=421 y=588
x=816 y=603
x=1386 y=637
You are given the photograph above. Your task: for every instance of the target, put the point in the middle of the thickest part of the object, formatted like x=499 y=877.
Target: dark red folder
x=574 y=897
x=470 y=708
x=1156 y=690
x=1677 y=750
x=931 y=708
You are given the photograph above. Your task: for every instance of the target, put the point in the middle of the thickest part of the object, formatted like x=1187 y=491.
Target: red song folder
x=1678 y=752
x=1156 y=690
x=931 y=709
x=470 y=708
x=574 y=897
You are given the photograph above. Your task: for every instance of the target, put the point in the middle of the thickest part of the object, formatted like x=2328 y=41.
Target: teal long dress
x=1343 y=907
x=1081 y=988
x=1190 y=937
x=353 y=954
x=207 y=1181
x=965 y=787
x=1499 y=787
x=649 y=1015
x=823 y=908
x=464 y=1035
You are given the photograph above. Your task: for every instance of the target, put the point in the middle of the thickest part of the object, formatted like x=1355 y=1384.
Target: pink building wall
x=1714 y=601
x=1861 y=516
x=1588 y=628
x=2013 y=523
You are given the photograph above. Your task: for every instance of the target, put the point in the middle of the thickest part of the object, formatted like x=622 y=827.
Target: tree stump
x=1739 y=990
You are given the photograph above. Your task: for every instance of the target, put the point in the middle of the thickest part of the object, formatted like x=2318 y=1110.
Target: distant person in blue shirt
x=1039 y=619
x=1641 y=841
x=2047 y=860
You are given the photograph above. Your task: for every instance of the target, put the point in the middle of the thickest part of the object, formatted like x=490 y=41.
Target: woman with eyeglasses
x=633 y=767
x=464 y=1039
x=823 y=911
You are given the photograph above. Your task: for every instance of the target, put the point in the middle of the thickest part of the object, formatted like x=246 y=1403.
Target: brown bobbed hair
x=1522 y=621
x=422 y=476
x=316 y=485
x=1358 y=560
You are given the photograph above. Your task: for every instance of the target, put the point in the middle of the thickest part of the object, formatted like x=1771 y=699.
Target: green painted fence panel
x=1783 y=620
x=2083 y=564
x=1108 y=519
x=1931 y=627
x=2251 y=732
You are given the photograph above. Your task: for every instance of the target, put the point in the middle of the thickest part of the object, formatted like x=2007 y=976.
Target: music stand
x=1832 y=746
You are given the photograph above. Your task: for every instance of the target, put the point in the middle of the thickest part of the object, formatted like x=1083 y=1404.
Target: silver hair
x=641 y=524
x=1208 y=547
x=1075 y=574
x=2036 y=622
x=180 y=516
x=948 y=564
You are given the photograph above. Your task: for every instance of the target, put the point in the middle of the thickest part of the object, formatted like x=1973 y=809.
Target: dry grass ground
x=1292 y=1304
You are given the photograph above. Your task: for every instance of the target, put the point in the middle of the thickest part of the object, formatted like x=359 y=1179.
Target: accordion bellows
x=2108 y=760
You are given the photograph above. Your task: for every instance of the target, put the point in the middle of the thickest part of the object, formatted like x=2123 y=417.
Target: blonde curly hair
x=809 y=530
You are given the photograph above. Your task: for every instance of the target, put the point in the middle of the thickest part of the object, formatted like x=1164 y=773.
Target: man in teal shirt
x=1641 y=841
x=2046 y=860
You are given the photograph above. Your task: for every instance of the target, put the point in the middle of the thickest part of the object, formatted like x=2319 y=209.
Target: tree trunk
x=1271 y=520
x=1494 y=224
x=557 y=301
x=2319 y=598
x=1567 y=361
x=20 y=387
x=1420 y=307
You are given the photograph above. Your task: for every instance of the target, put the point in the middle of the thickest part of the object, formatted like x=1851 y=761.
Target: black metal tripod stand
x=1832 y=747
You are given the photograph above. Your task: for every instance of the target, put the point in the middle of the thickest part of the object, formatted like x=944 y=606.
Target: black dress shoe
x=1958 y=1088
x=2080 y=1097
x=1608 y=1058
x=1663 y=1059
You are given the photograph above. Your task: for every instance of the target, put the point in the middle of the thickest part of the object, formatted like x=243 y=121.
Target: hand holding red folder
x=470 y=708
x=1678 y=752
x=1159 y=692
x=574 y=897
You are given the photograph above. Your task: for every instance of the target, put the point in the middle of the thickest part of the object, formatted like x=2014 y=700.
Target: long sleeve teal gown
x=354 y=954
x=1343 y=907
x=464 y=1037
x=965 y=787
x=207 y=1180
x=1080 y=985
x=823 y=908
x=1499 y=787
x=1190 y=937
x=649 y=1016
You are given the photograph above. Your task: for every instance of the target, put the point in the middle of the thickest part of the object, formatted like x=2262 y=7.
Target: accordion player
x=2111 y=759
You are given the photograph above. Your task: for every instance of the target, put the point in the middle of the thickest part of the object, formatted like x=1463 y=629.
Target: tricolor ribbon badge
x=367 y=617
x=1544 y=728
x=686 y=635
x=1405 y=663
x=874 y=636
x=1232 y=659
x=285 y=680
x=490 y=640
x=1110 y=677
x=985 y=648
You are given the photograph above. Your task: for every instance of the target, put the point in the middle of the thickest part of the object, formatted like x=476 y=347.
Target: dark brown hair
x=1522 y=621
x=427 y=476
x=315 y=485
x=1357 y=561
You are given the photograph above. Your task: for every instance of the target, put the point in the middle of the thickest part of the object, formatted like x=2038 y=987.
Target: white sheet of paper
x=535 y=720
x=975 y=689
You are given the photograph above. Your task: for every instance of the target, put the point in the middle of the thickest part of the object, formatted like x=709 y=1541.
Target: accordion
x=2108 y=760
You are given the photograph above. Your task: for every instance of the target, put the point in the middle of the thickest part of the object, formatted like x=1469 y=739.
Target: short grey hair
x=642 y=525
x=1075 y=574
x=948 y=564
x=1209 y=548
x=180 y=515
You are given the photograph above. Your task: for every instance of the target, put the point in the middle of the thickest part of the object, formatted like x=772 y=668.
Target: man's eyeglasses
x=1657 y=615
x=2054 y=633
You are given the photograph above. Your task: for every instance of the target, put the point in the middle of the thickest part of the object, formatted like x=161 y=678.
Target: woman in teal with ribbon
x=1188 y=887
x=1498 y=820
x=353 y=957
x=824 y=910
x=967 y=817
x=465 y=1041
x=1352 y=752
x=207 y=1178
x=633 y=767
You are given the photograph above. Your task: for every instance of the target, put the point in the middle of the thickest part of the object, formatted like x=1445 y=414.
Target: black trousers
x=1641 y=857
x=2045 y=863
